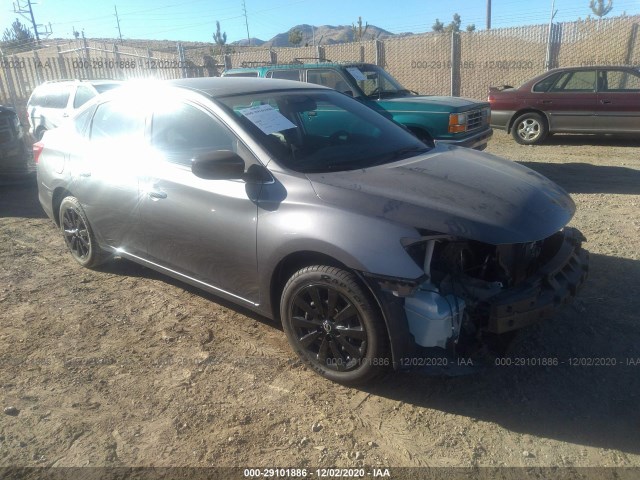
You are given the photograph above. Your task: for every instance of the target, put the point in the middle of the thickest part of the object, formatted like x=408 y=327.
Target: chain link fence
x=465 y=63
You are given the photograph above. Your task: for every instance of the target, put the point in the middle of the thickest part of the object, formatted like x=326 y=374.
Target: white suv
x=52 y=102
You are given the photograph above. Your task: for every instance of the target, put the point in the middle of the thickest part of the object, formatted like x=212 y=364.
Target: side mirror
x=218 y=165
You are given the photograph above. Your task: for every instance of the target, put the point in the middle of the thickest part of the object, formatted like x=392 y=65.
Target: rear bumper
x=477 y=141
x=500 y=118
x=16 y=160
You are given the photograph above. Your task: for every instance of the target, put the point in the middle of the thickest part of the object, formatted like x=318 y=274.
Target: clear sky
x=194 y=20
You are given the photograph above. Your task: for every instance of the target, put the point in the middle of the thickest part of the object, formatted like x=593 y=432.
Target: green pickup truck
x=452 y=120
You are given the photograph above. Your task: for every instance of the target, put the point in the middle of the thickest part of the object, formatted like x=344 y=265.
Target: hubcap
x=329 y=328
x=529 y=129
x=76 y=234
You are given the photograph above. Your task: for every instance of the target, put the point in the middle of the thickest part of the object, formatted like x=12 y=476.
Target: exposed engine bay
x=472 y=291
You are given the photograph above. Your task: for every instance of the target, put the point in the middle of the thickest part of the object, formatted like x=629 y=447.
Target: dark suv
x=451 y=120
x=16 y=158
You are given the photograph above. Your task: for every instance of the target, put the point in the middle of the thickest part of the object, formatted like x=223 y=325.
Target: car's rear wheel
x=333 y=325
x=78 y=235
x=530 y=129
x=40 y=133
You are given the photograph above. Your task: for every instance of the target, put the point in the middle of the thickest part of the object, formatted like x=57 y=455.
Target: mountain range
x=322 y=35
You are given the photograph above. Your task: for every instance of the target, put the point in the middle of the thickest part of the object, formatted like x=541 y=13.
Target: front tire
x=78 y=235
x=530 y=129
x=333 y=325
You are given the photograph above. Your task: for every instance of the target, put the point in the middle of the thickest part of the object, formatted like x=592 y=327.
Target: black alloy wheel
x=332 y=324
x=78 y=235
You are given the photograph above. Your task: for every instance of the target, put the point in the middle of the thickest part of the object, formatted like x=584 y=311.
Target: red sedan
x=593 y=100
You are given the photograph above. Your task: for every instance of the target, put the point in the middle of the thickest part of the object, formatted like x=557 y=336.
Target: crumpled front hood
x=455 y=191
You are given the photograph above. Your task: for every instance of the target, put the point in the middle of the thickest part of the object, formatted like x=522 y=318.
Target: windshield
x=376 y=82
x=320 y=131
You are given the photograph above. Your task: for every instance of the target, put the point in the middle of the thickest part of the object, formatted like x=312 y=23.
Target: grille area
x=477 y=119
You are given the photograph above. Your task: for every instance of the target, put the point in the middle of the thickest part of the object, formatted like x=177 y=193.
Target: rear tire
x=40 y=133
x=78 y=235
x=530 y=129
x=333 y=325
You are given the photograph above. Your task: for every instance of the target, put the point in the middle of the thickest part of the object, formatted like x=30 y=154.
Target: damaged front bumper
x=554 y=283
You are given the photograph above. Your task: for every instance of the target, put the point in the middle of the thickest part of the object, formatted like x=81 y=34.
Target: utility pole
x=488 y=14
x=118 y=22
x=547 y=62
x=22 y=10
x=246 y=20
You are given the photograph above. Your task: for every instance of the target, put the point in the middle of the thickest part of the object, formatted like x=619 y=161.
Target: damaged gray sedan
x=371 y=247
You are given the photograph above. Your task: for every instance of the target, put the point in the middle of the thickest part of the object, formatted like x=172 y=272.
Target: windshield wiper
x=379 y=93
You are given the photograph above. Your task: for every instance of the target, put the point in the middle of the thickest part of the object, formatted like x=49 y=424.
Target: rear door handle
x=605 y=102
x=547 y=102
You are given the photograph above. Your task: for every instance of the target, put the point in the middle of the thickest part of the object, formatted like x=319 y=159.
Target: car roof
x=553 y=71
x=222 y=86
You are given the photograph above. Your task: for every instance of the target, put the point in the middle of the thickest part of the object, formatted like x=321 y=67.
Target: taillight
x=37 y=150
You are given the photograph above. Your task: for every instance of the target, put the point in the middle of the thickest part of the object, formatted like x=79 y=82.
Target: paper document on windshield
x=267 y=119
x=356 y=73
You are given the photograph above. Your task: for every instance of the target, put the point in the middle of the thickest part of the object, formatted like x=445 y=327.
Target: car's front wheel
x=530 y=129
x=78 y=235
x=333 y=325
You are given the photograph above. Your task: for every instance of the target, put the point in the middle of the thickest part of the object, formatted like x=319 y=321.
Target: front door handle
x=547 y=102
x=605 y=102
x=157 y=195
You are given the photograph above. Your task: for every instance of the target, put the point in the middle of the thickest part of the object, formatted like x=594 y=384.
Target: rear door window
x=328 y=78
x=288 y=74
x=58 y=97
x=116 y=120
x=83 y=95
x=578 y=81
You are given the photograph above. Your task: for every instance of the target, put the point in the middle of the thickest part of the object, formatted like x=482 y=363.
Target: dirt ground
x=125 y=367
